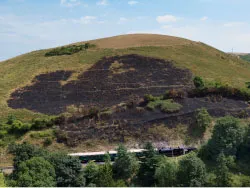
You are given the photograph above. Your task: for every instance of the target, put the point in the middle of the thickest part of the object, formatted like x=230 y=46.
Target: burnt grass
x=106 y=86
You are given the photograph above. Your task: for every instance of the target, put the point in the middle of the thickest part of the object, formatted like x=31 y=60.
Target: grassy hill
x=201 y=59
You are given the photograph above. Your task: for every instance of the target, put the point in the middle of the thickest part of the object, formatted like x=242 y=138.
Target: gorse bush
x=167 y=106
x=198 y=82
x=202 y=119
x=69 y=50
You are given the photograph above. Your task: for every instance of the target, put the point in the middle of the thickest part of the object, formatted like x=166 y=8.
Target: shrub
x=47 y=142
x=202 y=119
x=174 y=94
x=198 y=82
x=167 y=106
x=39 y=123
x=68 y=50
x=19 y=127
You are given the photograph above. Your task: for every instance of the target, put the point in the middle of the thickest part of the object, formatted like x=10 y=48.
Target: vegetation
x=167 y=106
x=228 y=135
x=68 y=50
x=166 y=173
x=202 y=120
x=192 y=171
x=2 y=182
x=35 y=172
x=245 y=57
x=198 y=82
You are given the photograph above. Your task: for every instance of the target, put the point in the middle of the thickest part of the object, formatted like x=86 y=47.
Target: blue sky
x=27 y=25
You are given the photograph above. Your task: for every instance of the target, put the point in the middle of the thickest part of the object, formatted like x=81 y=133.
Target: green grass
x=2 y=184
x=167 y=106
x=245 y=57
x=202 y=60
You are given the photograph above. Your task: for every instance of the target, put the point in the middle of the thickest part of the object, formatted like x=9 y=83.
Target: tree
x=223 y=176
x=105 y=174
x=68 y=170
x=36 y=172
x=166 y=172
x=91 y=173
x=125 y=165
x=192 y=171
x=23 y=152
x=145 y=176
x=227 y=136
x=198 y=82
x=202 y=119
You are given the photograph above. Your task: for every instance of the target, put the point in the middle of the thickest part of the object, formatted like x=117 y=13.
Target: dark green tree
x=145 y=176
x=105 y=174
x=126 y=165
x=68 y=170
x=228 y=135
x=91 y=173
x=36 y=172
x=25 y=151
x=222 y=172
x=192 y=171
x=166 y=173
x=198 y=82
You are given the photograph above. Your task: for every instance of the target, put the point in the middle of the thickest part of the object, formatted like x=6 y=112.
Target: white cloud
x=204 y=18
x=70 y=3
x=85 y=20
x=102 y=3
x=233 y=24
x=122 y=20
x=132 y=3
x=166 y=19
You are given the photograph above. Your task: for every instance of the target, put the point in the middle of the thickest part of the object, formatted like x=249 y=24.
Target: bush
x=19 y=127
x=47 y=142
x=39 y=123
x=68 y=50
x=198 y=82
x=167 y=106
x=202 y=119
x=174 y=94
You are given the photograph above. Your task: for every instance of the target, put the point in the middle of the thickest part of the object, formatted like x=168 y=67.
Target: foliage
x=192 y=171
x=2 y=181
x=166 y=172
x=23 y=152
x=68 y=170
x=105 y=174
x=68 y=50
x=19 y=127
x=245 y=57
x=145 y=176
x=126 y=165
x=198 y=82
x=91 y=173
x=47 y=142
x=223 y=176
x=228 y=135
x=41 y=123
x=150 y=98
x=202 y=119
x=36 y=172
x=167 y=106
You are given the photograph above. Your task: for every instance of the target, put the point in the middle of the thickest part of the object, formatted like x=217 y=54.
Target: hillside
x=245 y=57
x=201 y=59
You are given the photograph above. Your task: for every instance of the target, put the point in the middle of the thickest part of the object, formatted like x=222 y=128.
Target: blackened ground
x=109 y=82
x=136 y=123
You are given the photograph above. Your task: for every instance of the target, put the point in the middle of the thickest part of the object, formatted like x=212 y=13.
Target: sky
x=27 y=25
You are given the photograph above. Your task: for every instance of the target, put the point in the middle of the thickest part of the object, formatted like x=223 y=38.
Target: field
x=201 y=59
